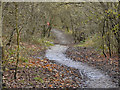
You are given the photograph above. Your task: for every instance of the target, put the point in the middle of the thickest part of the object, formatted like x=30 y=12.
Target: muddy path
x=94 y=78
x=62 y=38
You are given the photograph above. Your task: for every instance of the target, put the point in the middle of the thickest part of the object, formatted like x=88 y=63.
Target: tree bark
x=108 y=33
x=119 y=40
x=11 y=36
x=103 y=32
x=17 y=30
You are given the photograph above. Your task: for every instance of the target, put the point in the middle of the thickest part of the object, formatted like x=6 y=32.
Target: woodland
x=27 y=33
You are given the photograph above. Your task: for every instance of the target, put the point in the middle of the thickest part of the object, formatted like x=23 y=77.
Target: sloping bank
x=94 y=77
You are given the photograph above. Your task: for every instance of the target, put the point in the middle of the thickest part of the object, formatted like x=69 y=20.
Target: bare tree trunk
x=3 y=57
x=71 y=22
x=108 y=32
x=119 y=41
x=44 y=31
x=1 y=45
x=50 y=26
x=11 y=36
x=49 y=29
x=16 y=7
x=67 y=28
x=103 y=32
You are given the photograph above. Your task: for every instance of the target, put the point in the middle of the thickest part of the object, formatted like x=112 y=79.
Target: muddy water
x=94 y=78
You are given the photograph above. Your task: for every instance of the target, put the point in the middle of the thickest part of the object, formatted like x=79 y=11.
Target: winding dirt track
x=94 y=77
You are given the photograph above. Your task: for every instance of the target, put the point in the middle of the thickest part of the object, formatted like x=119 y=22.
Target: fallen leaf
x=56 y=75
x=50 y=85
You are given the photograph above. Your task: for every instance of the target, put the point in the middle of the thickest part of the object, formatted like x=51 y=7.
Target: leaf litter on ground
x=95 y=59
x=41 y=73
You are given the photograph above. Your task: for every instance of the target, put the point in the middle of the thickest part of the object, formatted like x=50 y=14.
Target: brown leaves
x=52 y=74
x=50 y=86
x=33 y=62
x=57 y=74
x=93 y=58
x=67 y=71
x=50 y=69
x=48 y=65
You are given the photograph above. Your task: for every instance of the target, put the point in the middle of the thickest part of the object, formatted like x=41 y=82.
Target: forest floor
x=95 y=59
x=95 y=78
x=36 y=71
x=41 y=70
x=43 y=74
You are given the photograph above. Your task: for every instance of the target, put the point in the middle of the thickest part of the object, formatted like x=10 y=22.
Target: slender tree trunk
x=108 y=35
x=16 y=7
x=1 y=45
x=44 y=31
x=0 y=67
x=119 y=41
x=67 y=28
x=3 y=57
x=44 y=28
x=71 y=22
x=11 y=36
x=109 y=45
x=62 y=23
x=49 y=29
x=103 y=32
x=33 y=30
x=50 y=26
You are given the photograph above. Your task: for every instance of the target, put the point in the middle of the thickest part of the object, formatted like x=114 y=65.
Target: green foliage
x=11 y=51
x=22 y=81
x=23 y=59
x=11 y=60
x=115 y=28
x=69 y=32
x=48 y=43
x=91 y=41
x=44 y=41
x=39 y=79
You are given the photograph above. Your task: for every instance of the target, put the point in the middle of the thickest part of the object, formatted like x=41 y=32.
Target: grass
x=95 y=42
x=46 y=42
x=88 y=42
x=92 y=41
